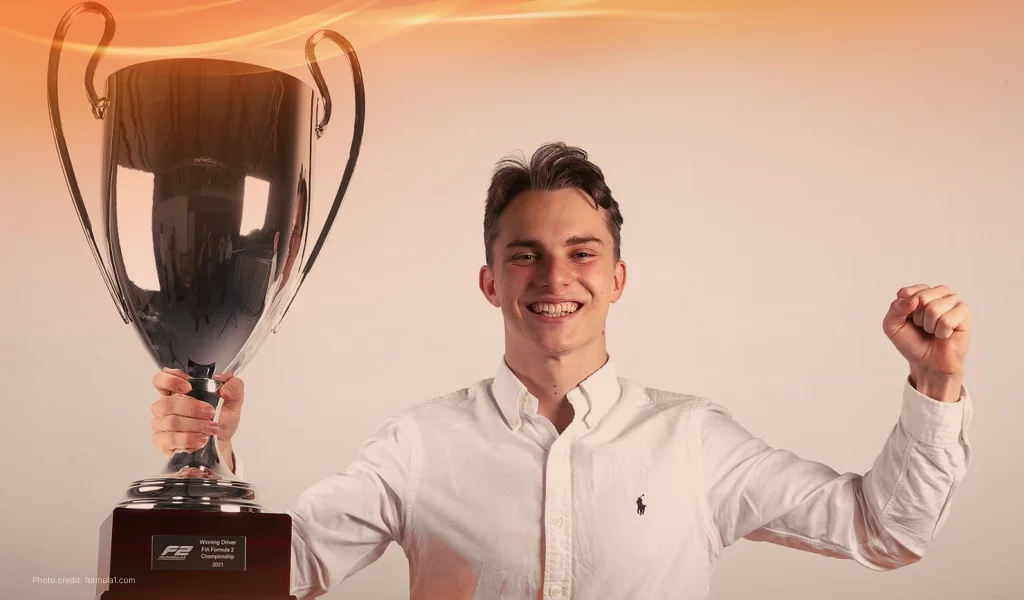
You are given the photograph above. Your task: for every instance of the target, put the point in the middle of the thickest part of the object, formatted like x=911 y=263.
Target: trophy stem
x=196 y=480
x=207 y=459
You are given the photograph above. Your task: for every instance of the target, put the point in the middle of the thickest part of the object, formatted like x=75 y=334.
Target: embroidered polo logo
x=640 y=507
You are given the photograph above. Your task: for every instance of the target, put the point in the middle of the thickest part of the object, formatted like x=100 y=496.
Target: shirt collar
x=592 y=398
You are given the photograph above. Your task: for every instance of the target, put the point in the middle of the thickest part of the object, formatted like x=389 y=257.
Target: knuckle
x=184 y=442
x=173 y=423
x=164 y=406
x=187 y=424
x=162 y=382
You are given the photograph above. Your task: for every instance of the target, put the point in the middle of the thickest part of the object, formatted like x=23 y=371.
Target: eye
x=583 y=254
x=524 y=257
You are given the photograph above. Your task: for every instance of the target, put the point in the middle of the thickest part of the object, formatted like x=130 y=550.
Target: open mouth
x=554 y=311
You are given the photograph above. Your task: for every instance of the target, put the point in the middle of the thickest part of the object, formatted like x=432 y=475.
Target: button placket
x=558 y=505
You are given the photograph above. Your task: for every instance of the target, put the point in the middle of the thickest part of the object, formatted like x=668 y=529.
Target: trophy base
x=208 y=495
x=167 y=554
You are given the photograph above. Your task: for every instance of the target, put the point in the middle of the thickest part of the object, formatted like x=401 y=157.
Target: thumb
x=899 y=310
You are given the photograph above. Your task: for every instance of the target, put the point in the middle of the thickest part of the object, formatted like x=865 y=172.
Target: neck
x=550 y=378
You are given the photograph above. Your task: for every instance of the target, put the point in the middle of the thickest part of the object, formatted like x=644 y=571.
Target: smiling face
x=554 y=274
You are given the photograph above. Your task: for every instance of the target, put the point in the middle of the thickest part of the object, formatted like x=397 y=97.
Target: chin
x=557 y=347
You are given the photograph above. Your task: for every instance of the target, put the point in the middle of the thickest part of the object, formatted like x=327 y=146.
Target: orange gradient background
x=783 y=167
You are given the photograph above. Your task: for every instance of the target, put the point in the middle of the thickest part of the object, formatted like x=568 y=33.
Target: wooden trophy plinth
x=168 y=554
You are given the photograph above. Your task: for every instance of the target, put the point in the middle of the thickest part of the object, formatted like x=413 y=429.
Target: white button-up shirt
x=637 y=497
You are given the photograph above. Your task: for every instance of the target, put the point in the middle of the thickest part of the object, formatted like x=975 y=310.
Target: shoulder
x=660 y=400
x=406 y=431
x=696 y=418
x=456 y=404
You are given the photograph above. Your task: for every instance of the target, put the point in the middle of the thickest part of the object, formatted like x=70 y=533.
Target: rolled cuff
x=931 y=421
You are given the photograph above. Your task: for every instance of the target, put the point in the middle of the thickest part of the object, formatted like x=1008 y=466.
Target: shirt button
x=557 y=521
x=526 y=400
x=556 y=591
x=515 y=421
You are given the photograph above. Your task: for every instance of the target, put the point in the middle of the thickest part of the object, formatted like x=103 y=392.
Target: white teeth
x=554 y=310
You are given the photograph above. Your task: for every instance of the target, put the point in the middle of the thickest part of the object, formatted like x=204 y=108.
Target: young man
x=558 y=478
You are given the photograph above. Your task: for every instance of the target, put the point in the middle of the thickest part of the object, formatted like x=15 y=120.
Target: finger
x=185 y=406
x=926 y=296
x=168 y=383
x=896 y=318
x=171 y=442
x=936 y=308
x=222 y=377
x=180 y=424
x=955 y=319
x=910 y=290
x=233 y=392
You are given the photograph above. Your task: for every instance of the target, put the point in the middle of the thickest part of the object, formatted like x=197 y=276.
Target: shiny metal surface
x=205 y=194
x=192 y=493
x=206 y=189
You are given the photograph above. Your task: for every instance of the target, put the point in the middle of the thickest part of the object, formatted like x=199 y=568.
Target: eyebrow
x=575 y=240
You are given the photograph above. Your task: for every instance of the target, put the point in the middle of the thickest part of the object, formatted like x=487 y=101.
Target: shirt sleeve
x=883 y=519
x=346 y=521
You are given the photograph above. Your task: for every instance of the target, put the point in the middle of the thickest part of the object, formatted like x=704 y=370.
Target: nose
x=556 y=273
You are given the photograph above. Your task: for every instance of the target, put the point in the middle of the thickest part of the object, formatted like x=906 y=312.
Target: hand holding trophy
x=217 y=156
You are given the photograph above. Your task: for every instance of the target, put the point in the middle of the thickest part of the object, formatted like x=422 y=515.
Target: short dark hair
x=554 y=166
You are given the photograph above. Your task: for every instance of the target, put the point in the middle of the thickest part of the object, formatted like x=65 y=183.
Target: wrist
x=227 y=454
x=944 y=387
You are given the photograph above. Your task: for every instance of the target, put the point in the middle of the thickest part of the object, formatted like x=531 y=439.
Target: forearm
x=920 y=467
x=887 y=518
x=883 y=519
x=227 y=454
x=943 y=387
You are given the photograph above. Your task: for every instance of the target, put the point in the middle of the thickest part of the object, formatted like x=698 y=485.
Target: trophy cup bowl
x=206 y=186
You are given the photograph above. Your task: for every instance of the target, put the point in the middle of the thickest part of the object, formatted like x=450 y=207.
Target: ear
x=487 y=286
x=618 y=281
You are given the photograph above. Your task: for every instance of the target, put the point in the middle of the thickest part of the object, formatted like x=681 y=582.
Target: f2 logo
x=177 y=550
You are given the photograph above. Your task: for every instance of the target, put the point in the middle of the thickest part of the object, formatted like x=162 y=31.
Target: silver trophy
x=207 y=173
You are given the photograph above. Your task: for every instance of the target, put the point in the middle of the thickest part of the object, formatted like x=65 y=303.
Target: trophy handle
x=357 y=137
x=99 y=106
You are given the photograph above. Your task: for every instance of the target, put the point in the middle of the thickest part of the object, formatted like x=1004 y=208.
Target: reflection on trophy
x=206 y=200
